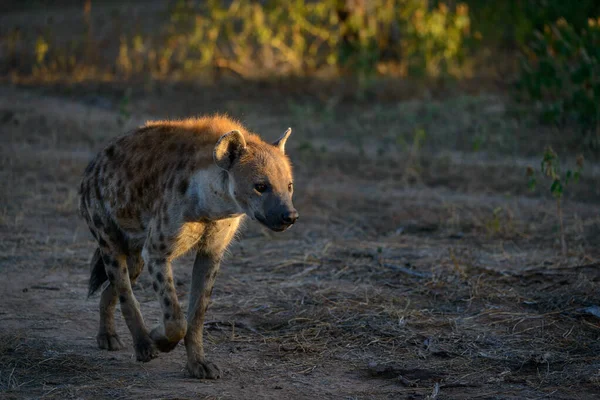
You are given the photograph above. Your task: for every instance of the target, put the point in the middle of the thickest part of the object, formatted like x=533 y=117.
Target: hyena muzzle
x=166 y=188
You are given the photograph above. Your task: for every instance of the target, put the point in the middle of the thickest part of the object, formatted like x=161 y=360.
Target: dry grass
x=421 y=268
x=449 y=286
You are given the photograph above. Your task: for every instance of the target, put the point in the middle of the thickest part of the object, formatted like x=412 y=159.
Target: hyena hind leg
x=121 y=272
x=107 y=337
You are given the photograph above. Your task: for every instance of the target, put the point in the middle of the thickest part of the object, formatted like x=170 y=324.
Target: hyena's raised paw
x=203 y=369
x=145 y=349
x=109 y=341
x=165 y=343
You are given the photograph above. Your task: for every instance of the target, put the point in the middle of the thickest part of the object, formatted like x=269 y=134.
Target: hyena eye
x=290 y=187
x=260 y=187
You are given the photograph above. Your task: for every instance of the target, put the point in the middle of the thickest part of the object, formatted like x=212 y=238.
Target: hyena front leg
x=206 y=266
x=156 y=254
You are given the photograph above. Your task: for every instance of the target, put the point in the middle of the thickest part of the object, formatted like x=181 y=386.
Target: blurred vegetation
x=331 y=37
x=560 y=76
x=548 y=48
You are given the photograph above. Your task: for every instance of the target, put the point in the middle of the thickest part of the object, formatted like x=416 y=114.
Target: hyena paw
x=145 y=350
x=203 y=369
x=108 y=341
x=161 y=341
x=167 y=336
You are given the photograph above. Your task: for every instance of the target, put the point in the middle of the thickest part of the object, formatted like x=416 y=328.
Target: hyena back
x=170 y=187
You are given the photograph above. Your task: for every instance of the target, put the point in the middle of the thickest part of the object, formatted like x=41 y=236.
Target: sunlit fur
x=162 y=190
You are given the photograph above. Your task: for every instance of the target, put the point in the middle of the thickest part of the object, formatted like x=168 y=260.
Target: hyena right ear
x=229 y=149
x=280 y=143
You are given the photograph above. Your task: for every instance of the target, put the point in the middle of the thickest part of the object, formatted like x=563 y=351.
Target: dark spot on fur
x=215 y=192
x=122 y=299
x=114 y=263
x=167 y=302
x=124 y=271
x=110 y=152
x=150 y=269
x=97 y=221
x=155 y=286
x=111 y=276
x=159 y=277
x=183 y=186
x=116 y=236
x=97 y=190
x=102 y=243
x=162 y=247
x=167 y=316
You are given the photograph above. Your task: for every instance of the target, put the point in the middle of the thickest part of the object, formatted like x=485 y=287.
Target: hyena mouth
x=276 y=228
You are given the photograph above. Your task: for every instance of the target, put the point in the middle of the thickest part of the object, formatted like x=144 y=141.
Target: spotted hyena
x=167 y=188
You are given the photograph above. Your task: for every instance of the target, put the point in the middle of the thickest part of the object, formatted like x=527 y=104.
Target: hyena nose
x=289 y=217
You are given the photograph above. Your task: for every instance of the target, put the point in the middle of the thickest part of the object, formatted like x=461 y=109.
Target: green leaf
x=556 y=188
x=568 y=176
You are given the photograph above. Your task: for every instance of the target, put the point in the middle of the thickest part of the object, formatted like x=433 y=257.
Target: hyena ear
x=280 y=143
x=229 y=149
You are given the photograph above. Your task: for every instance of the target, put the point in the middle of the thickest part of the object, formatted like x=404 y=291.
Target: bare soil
x=414 y=272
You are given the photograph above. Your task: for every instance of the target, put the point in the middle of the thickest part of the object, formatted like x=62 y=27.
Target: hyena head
x=260 y=178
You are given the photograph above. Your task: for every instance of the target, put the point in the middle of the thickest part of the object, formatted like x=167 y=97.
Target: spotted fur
x=167 y=188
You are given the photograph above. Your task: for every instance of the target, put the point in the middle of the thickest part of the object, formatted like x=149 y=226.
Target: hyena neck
x=210 y=196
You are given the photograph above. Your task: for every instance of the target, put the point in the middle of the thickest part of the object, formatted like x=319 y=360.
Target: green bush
x=560 y=74
x=388 y=37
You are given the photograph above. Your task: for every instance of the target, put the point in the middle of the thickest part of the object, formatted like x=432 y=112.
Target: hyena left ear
x=229 y=149
x=280 y=143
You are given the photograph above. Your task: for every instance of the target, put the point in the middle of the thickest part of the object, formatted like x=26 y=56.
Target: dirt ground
x=414 y=272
